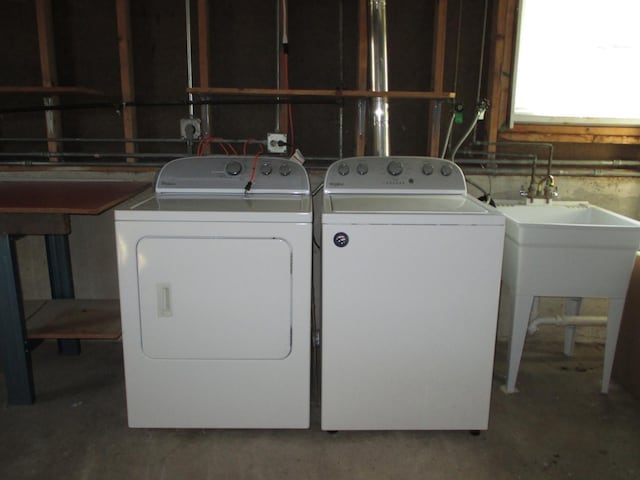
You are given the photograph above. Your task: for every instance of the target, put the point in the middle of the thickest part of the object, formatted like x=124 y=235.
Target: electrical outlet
x=277 y=142
x=190 y=128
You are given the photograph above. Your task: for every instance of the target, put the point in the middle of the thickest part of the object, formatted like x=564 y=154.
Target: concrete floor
x=558 y=426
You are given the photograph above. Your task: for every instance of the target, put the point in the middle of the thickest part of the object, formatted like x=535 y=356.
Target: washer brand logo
x=341 y=239
x=336 y=184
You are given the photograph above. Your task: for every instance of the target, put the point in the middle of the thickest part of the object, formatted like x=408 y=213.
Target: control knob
x=362 y=168
x=266 y=168
x=343 y=169
x=394 y=168
x=446 y=170
x=285 y=169
x=427 y=169
x=233 y=168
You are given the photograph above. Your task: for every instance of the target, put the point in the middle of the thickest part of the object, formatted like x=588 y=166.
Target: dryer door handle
x=164 y=300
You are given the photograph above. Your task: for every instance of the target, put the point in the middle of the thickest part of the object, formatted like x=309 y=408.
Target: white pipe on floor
x=566 y=321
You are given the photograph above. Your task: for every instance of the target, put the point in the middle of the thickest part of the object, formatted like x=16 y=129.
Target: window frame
x=501 y=87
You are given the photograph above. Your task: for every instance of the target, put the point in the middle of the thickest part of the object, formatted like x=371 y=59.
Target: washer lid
x=221 y=208
x=214 y=174
x=413 y=209
x=433 y=204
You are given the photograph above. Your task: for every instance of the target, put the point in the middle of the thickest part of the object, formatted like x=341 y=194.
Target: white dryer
x=215 y=282
x=410 y=283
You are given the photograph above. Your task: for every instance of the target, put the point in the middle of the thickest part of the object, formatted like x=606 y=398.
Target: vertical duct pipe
x=187 y=9
x=378 y=72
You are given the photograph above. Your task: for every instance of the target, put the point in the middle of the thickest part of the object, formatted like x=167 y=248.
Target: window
x=577 y=62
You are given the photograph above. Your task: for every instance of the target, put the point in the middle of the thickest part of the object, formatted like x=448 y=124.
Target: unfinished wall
x=243 y=44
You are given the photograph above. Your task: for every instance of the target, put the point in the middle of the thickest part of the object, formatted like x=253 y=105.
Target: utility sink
x=565 y=249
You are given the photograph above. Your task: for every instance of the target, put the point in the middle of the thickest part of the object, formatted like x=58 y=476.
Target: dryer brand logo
x=341 y=239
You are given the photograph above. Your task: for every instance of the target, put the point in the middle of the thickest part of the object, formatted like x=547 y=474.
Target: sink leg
x=571 y=308
x=519 y=322
x=616 y=306
x=569 y=340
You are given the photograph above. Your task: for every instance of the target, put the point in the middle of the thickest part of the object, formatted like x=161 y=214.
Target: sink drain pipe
x=566 y=321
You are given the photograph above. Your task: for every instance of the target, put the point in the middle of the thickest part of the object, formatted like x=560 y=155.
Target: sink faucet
x=545 y=188
x=550 y=190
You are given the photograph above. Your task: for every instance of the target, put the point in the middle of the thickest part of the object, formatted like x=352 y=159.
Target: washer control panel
x=232 y=174
x=395 y=175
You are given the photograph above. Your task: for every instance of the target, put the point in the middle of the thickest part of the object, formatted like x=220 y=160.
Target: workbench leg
x=14 y=349
x=61 y=281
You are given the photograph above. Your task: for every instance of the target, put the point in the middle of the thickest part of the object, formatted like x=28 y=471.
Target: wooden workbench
x=43 y=208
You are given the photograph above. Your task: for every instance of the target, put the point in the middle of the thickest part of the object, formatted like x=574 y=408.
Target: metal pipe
x=91 y=155
x=564 y=163
x=95 y=140
x=314 y=163
x=490 y=157
x=277 y=126
x=139 y=140
x=378 y=73
x=187 y=7
x=566 y=321
x=341 y=76
x=547 y=146
x=577 y=172
x=81 y=165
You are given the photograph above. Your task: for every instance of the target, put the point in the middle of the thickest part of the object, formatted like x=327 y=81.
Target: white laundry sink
x=565 y=249
x=561 y=247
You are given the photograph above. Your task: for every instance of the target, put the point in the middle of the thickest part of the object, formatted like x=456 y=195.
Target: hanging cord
x=252 y=177
x=447 y=138
x=291 y=139
x=481 y=69
x=285 y=68
x=447 y=141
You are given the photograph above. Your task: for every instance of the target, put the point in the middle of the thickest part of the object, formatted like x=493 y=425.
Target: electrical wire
x=254 y=165
x=315 y=191
x=481 y=68
x=285 y=68
x=226 y=147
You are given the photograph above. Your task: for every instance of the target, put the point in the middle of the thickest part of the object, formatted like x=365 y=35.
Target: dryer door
x=215 y=298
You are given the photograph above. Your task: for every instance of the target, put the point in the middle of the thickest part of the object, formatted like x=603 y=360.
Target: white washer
x=410 y=284
x=215 y=288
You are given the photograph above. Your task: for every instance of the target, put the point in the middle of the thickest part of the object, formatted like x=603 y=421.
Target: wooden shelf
x=73 y=319
x=50 y=90
x=284 y=93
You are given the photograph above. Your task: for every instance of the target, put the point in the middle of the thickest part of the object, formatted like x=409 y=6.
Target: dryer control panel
x=232 y=174
x=395 y=175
